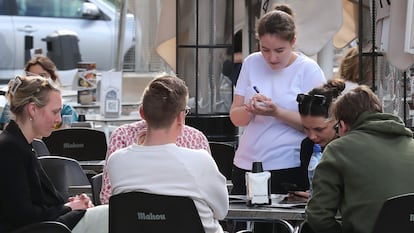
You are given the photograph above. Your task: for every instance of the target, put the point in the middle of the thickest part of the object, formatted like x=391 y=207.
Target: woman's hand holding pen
x=261 y=104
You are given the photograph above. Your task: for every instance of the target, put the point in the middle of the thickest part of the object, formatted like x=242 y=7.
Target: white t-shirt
x=265 y=138
x=172 y=170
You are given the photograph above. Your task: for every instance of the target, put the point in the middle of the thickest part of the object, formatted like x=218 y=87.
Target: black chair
x=82 y=144
x=151 y=213
x=396 y=215
x=223 y=154
x=82 y=124
x=40 y=147
x=64 y=174
x=305 y=228
x=96 y=183
x=44 y=227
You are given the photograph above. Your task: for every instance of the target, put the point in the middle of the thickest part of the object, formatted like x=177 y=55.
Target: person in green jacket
x=371 y=161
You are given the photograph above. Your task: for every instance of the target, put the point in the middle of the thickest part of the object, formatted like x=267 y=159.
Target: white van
x=95 y=23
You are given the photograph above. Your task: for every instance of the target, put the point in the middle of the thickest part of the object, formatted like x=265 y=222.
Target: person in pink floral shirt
x=128 y=134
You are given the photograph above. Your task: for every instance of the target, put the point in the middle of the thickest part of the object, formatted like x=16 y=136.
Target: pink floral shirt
x=128 y=134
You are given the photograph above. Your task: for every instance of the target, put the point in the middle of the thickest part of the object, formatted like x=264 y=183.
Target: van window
x=7 y=7
x=50 y=8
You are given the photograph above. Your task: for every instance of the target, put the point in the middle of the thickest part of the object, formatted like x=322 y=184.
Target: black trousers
x=278 y=177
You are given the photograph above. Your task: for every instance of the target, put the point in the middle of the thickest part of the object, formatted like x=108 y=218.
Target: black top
x=306 y=150
x=27 y=194
x=232 y=70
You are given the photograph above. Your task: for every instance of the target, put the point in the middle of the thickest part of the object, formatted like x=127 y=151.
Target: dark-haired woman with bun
x=314 y=114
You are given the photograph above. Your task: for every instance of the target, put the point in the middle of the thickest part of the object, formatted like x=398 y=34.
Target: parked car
x=95 y=22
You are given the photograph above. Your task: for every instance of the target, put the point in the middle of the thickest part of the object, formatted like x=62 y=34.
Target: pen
x=259 y=102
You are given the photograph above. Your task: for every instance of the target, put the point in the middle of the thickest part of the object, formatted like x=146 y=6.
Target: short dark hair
x=352 y=104
x=163 y=99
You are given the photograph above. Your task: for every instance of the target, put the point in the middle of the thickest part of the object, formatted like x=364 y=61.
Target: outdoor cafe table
x=92 y=165
x=289 y=213
x=122 y=119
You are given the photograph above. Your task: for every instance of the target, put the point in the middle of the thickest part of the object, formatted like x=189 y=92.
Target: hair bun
x=336 y=85
x=285 y=8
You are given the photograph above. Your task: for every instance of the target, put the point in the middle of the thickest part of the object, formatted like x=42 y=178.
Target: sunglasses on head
x=317 y=99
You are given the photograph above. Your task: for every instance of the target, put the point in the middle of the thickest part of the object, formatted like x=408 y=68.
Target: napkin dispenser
x=258 y=185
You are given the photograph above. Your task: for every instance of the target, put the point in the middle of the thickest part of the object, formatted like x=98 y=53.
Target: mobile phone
x=291 y=187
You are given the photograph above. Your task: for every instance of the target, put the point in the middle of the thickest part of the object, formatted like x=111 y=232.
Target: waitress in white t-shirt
x=265 y=103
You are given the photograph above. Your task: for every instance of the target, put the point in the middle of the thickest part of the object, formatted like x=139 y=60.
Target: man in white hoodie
x=159 y=166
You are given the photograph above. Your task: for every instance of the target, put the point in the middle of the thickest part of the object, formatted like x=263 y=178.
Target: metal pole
x=360 y=40
x=325 y=59
x=121 y=36
x=405 y=99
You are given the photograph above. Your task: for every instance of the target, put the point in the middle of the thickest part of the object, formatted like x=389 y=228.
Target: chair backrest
x=396 y=215
x=78 y=143
x=223 y=154
x=82 y=124
x=63 y=172
x=40 y=147
x=44 y=227
x=149 y=213
x=96 y=183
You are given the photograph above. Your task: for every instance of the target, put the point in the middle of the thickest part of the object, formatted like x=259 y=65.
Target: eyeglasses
x=44 y=75
x=317 y=99
x=336 y=127
x=186 y=110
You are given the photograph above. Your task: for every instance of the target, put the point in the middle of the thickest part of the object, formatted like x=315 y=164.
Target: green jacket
x=359 y=171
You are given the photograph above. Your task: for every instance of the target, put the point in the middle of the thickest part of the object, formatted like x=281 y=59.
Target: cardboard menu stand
x=110 y=94
x=86 y=82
